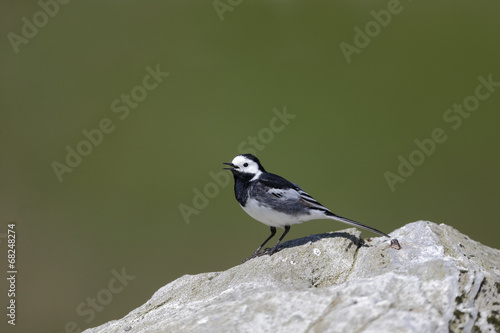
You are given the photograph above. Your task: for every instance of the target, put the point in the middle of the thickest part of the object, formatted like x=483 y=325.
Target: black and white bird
x=275 y=201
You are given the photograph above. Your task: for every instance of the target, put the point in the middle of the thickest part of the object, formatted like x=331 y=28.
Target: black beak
x=232 y=166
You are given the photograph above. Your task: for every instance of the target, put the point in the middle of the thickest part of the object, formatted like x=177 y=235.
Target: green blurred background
x=120 y=207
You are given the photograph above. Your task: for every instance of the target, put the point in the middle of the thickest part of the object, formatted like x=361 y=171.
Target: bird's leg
x=273 y=250
x=256 y=253
x=273 y=232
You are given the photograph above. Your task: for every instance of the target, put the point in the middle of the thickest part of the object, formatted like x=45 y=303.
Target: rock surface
x=440 y=281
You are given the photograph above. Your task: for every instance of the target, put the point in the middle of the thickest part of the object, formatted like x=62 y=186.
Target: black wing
x=280 y=187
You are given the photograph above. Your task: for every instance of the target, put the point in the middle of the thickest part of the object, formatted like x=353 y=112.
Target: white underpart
x=277 y=219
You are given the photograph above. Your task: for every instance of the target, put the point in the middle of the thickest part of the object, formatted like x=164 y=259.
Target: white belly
x=274 y=218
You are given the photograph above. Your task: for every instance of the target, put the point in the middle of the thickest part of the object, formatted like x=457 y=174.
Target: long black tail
x=354 y=223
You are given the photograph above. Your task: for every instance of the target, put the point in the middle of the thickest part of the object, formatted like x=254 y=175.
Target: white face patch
x=246 y=165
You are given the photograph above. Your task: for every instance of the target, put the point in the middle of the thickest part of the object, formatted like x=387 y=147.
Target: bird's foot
x=262 y=253
x=255 y=255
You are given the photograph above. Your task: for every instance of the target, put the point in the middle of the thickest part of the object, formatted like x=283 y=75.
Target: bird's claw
x=260 y=254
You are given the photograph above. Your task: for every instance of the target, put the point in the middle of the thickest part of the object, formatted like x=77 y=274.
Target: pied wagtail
x=276 y=202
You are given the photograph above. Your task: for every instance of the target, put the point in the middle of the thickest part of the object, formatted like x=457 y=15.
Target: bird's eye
x=245 y=165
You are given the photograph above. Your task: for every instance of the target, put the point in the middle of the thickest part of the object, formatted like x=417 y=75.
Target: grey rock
x=440 y=281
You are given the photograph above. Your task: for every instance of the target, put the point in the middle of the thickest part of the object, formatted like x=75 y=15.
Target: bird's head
x=245 y=164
